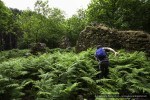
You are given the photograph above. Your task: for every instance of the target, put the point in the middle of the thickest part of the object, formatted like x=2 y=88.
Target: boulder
x=37 y=47
x=64 y=42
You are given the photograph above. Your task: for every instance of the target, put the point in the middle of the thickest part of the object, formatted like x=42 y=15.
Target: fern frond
x=88 y=80
x=70 y=88
x=12 y=85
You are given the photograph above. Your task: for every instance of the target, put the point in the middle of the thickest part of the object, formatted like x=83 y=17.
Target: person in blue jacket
x=101 y=56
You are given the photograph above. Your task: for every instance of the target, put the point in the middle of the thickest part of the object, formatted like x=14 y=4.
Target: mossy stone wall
x=92 y=36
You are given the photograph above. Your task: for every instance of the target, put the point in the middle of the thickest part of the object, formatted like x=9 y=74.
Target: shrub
x=63 y=75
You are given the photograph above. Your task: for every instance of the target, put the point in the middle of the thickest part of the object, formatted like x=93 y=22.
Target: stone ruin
x=100 y=34
x=37 y=47
x=64 y=42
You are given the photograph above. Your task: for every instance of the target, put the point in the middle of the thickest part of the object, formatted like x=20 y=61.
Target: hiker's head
x=99 y=46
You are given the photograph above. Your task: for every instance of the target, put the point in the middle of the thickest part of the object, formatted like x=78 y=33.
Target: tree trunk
x=10 y=41
x=1 y=42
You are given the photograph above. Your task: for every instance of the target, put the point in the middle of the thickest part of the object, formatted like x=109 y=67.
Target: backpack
x=100 y=53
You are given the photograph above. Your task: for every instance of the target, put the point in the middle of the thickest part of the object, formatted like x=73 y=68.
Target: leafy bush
x=38 y=47
x=14 y=53
x=63 y=75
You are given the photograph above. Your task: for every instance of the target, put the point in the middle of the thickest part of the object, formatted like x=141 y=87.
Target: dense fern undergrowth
x=65 y=75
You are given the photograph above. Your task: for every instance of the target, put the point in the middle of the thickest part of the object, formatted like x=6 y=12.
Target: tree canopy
x=121 y=14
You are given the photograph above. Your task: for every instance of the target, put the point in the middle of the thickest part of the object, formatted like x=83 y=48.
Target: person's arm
x=110 y=49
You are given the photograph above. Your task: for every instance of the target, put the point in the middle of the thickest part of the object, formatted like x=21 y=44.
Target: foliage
x=42 y=25
x=7 y=28
x=121 y=14
x=63 y=75
x=14 y=53
x=75 y=25
x=48 y=25
x=5 y=14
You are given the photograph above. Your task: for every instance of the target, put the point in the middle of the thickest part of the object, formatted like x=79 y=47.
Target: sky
x=68 y=6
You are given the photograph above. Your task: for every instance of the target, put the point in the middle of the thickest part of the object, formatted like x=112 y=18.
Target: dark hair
x=99 y=46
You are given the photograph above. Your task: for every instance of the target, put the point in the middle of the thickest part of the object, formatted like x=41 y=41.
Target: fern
x=62 y=75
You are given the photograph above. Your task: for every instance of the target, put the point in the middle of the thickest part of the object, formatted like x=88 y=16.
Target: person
x=102 y=57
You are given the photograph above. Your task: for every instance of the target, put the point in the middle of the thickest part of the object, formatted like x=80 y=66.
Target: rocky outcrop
x=134 y=40
x=64 y=42
x=92 y=36
x=37 y=47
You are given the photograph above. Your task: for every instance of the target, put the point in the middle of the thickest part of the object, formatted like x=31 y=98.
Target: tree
x=53 y=27
x=104 y=11
x=44 y=24
x=16 y=30
x=6 y=27
x=29 y=23
x=75 y=25
x=56 y=27
x=5 y=14
x=137 y=14
x=121 y=14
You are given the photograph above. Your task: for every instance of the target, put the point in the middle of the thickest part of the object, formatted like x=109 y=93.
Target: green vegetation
x=64 y=75
x=121 y=14
x=6 y=55
x=61 y=74
x=48 y=25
